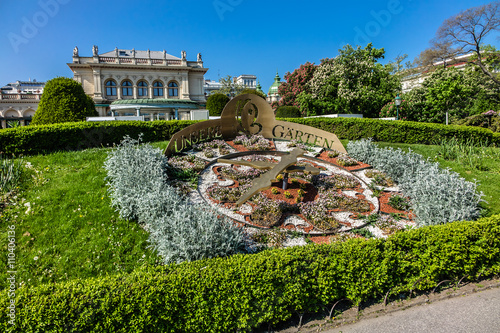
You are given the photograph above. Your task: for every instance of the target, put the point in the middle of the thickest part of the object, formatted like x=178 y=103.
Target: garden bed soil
x=358 y=167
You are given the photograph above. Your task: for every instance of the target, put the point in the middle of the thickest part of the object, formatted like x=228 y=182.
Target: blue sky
x=234 y=36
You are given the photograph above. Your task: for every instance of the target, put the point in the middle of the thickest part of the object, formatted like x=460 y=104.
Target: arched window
x=126 y=88
x=173 y=89
x=143 y=89
x=157 y=89
x=110 y=88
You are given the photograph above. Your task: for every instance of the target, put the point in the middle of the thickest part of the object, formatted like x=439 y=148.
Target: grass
x=69 y=229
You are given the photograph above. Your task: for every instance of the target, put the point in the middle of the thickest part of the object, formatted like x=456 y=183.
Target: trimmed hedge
x=81 y=135
x=245 y=291
x=398 y=131
x=32 y=140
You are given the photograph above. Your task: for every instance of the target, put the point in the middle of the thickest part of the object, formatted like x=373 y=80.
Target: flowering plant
x=489 y=113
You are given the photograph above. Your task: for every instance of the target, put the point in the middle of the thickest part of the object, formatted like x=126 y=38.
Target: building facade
x=272 y=94
x=153 y=84
x=19 y=102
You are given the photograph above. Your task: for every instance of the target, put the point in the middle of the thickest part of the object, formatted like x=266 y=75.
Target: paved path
x=478 y=312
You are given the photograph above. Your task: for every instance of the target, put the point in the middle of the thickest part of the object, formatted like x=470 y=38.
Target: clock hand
x=265 y=180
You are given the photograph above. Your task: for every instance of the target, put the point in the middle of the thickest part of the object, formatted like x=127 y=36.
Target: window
x=110 y=88
x=158 y=89
x=173 y=89
x=126 y=88
x=143 y=89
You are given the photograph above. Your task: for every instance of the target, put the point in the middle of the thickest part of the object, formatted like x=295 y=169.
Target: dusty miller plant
x=179 y=231
x=437 y=195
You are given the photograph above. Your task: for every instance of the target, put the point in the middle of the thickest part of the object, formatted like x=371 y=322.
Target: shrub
x=285 y=111
x=63 y=100
x=216 y=103
x=437 y=195
x=247 y=291
x=30 y=140
x=178 y=230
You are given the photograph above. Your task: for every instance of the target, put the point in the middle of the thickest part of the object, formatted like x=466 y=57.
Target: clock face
x=320 y=192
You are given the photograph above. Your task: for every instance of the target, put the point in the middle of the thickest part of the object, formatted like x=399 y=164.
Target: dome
x=273 y=90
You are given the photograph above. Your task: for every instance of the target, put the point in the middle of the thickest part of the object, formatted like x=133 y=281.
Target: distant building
x=210 y=86
x=244 y=80
x=19 y=102
x=272 y=94
x=153 y=84
x=415 y=80
x=247 y=81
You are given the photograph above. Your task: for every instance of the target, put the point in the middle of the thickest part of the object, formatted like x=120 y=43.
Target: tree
x=295 y=83
x=63 y=100
x=441 y=53
x=216 y=103
x=229 y=87
x=252 y=91
x=352 y=82
x=461 y=93
x=467 y=30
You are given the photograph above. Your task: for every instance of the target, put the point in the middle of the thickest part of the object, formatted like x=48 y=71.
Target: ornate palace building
x=153 y=84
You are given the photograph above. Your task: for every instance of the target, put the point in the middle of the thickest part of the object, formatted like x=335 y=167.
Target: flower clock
x=288 y=183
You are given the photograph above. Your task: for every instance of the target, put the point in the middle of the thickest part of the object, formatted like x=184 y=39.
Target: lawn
x=66 y=227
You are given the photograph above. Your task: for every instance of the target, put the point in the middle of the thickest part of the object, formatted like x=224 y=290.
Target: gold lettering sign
x=250 y=114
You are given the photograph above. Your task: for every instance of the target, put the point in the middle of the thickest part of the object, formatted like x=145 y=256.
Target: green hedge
x=398 y=131
x=245 y=291
x=31 y=140
x=71 y=136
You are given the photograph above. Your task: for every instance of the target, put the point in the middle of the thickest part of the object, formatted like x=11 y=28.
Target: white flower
x=35 y=258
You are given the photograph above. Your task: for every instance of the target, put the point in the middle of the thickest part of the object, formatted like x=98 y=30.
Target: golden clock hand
x=263 y=165
x=265 y=180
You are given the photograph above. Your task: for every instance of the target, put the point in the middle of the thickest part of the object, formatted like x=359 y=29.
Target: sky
x=235 y=37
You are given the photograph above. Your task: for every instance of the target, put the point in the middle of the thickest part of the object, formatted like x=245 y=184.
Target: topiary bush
x=216 y=103
x=286 y=111
x=437 y=195
x=481 y=120
x=63 y=100
x=179 y=231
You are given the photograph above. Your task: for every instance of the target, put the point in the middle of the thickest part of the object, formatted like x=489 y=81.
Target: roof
x=139 y=54
x=273 y=90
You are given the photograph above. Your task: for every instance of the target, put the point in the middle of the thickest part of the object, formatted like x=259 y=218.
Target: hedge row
x=32 y=140
x=245 y=291
x=399 y=131
x=71 y=136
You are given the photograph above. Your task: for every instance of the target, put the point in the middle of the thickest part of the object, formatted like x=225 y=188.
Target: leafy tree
x=286 y=111
x=467 y=30
x=216 y=103
x=252 y=91
x=352 y=82
x=296 y=83
x=63 y=100
x=229 y=87
x=461 y=93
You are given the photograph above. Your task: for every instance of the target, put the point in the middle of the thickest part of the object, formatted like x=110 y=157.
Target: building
x=415 y=80
x=246 y=80
x=153 y=84
x=272 y=94
x=210 y=86
x=18 y=102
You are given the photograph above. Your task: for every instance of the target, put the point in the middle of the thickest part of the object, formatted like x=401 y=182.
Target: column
x=176 y=114
x=138 y=111
x=134 y=91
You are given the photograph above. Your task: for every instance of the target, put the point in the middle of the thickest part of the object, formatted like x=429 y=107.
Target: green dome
x=273 y=90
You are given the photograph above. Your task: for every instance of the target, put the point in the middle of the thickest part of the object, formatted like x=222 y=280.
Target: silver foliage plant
x=178 y=230
x=437 y=195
